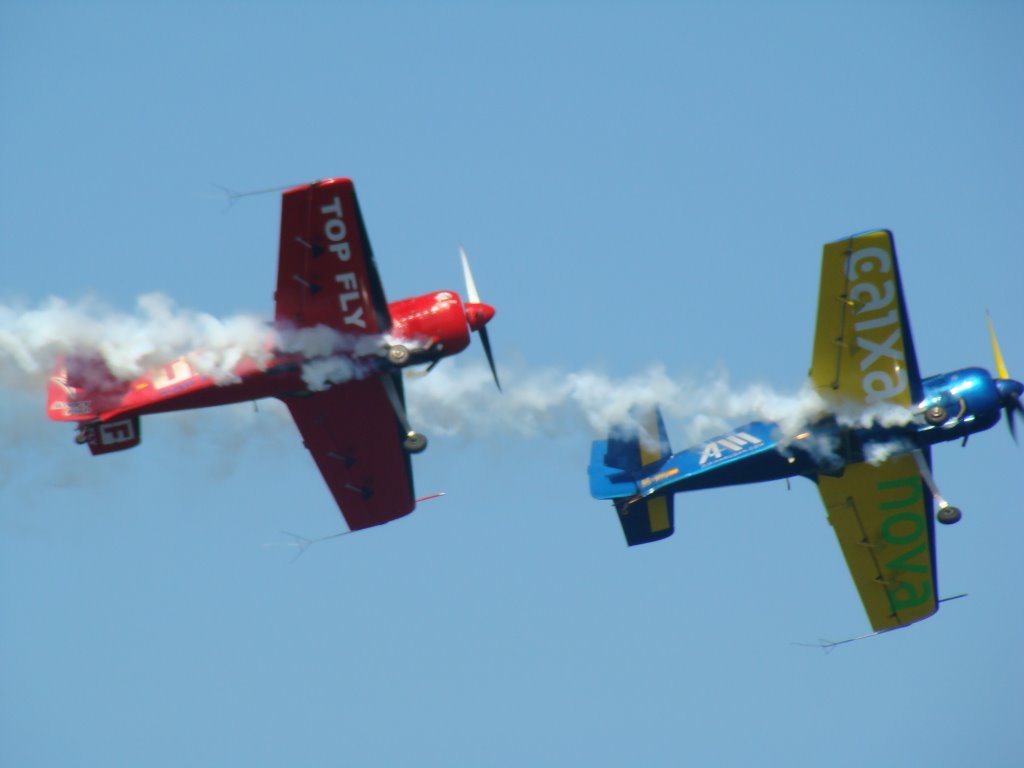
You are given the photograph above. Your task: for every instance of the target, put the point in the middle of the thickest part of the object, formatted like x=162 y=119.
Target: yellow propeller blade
x=1000 y=365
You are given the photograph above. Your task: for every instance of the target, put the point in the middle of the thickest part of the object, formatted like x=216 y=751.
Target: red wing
x=353 y=434
x=326 y=274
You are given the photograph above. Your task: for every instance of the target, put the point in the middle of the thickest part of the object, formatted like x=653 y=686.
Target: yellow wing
x=882 y=516
x=864 y=356
x=863 y=349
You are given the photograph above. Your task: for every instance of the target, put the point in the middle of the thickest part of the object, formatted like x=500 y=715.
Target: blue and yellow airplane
x=873 y=473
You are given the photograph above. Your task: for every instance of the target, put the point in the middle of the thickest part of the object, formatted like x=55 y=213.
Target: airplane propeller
x=1009 y=390
x=478 y=314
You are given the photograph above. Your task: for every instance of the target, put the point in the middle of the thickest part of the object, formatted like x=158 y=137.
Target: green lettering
x=905 y=596
x=913 y=485
x=902 y=563
x=915 y=520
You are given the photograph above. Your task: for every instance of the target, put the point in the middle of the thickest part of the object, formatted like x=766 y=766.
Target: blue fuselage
x=953 y=406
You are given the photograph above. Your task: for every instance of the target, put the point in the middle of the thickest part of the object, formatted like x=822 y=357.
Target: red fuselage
x=431 y=327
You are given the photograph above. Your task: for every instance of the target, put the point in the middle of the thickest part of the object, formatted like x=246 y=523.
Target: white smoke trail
x=157 y=333
x=876 y=453
x=330 y=357
x=129 y=343
x=880 y=415
x=461 y=400
x=455 y=399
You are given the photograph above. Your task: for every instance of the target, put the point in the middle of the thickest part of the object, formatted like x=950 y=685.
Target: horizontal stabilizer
x=608 y=482
x=117 y=435
x=616 y=467
x=646 y=519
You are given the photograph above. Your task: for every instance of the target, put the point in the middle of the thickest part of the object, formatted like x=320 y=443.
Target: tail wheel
x=948 y=515
x=398 y=354
x=415 y=442
x=936 y=415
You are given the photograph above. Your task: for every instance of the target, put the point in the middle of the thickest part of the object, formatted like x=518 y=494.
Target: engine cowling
x=436 y=324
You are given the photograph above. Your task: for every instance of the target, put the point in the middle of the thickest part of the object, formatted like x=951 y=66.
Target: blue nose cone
x=1009 y=390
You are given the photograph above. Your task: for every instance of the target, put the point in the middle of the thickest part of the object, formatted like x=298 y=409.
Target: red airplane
x=356 y=429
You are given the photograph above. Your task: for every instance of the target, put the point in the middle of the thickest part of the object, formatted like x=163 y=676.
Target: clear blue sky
x=636 y=183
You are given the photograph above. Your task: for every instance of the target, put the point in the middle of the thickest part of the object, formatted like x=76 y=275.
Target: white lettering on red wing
x=336 y=232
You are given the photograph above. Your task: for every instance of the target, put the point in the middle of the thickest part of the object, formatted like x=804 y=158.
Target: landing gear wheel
x=415 y=442
x=936 y=415
x=398 y=354
x=81 y=438
x=948 y=515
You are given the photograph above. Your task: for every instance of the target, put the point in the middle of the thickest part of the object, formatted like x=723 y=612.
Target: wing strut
x=414 y=442
x=946 y=513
